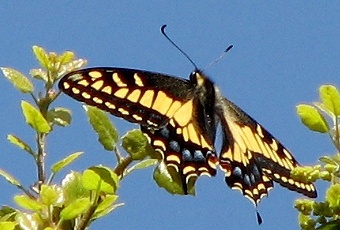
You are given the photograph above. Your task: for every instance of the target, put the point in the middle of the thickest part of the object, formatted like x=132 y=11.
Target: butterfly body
x=180 y=118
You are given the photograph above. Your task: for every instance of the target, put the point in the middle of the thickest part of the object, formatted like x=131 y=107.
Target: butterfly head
x=198 y=78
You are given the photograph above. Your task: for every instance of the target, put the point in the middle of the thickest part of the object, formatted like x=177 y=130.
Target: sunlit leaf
x=101 y=179
x=20 y=143
x=105 y=204
x=71 y=66
x=107 y=133
x=42 y=57
x=27 y=221
x=7 y=225
x=333 y=195
x=66 y=57
x=20 y=81
x=136 y=144
x=66 y=161
x=169 y=181
x=27 y=202
x=312 y=118
x=34 y=118
x=142 y=165
x=331 y=225
x=51 y=195
x=7 y=213
x=39 y=74
x=9 y=178
x=60 y=116
x=330 y=97
x=75 y=208
x=73 y=187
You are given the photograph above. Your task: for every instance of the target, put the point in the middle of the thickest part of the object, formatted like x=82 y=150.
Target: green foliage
x=34 y=118
x=312 y=118
x=81 y=197
x=20 y=81
x=107 y=133
x=136 y=144
x=322 y=117
x=169 y=182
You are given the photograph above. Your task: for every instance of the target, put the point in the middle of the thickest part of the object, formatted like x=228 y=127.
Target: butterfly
x=180 y=118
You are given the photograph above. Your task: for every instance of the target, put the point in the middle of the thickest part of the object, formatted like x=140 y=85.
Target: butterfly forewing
x=137 y=96
x=252 y=158
x=176 y=118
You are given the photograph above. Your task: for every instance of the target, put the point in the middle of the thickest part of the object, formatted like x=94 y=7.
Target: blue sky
x=282 y=53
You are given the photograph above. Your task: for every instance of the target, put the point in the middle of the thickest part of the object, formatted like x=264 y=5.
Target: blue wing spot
x=198 y=156
x=186 y=155
x=174 y=146
x=247 y=180
x=237 y=172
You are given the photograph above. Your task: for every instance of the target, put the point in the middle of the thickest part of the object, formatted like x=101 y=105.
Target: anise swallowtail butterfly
x=180 y=118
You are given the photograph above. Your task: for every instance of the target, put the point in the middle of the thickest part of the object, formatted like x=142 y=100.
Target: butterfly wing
x=138 y=96
x=174 y=114
x=252 y=158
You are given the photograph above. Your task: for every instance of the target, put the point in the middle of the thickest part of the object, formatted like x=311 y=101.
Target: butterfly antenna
x=220 y=57
x=174 y=44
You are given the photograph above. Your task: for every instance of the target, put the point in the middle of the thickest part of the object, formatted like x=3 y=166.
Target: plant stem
x=40 y=161
x=121 y=167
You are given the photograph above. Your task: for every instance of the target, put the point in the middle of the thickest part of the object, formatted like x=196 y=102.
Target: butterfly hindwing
x=252 y=158
x=186 y=158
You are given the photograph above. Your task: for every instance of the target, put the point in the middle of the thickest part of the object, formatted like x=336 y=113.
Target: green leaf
x=65 y=162
x=330 y=97
x=10 y=178
x=7 y=225
x=75 y=208
x=306 y=222
x=42 y=57
x=170 y=181
x=51 y=195
x=39 y=74
x=66 y=57
x=323 y=109
x=60 y=116
x=107 y=133
x=73 y=187
x=106 y=211
x=20 y=81
x=71 y=66
x=34 y=118
x=27 y=221
x=20 y=143
x=312 y=118
x=28 y=203
x=142 y=165
x=333 y=195
x=331 y=225
x=136 y=144
x=105 y=206
x=7 y=213
x=327 y=160
x=101 y=179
